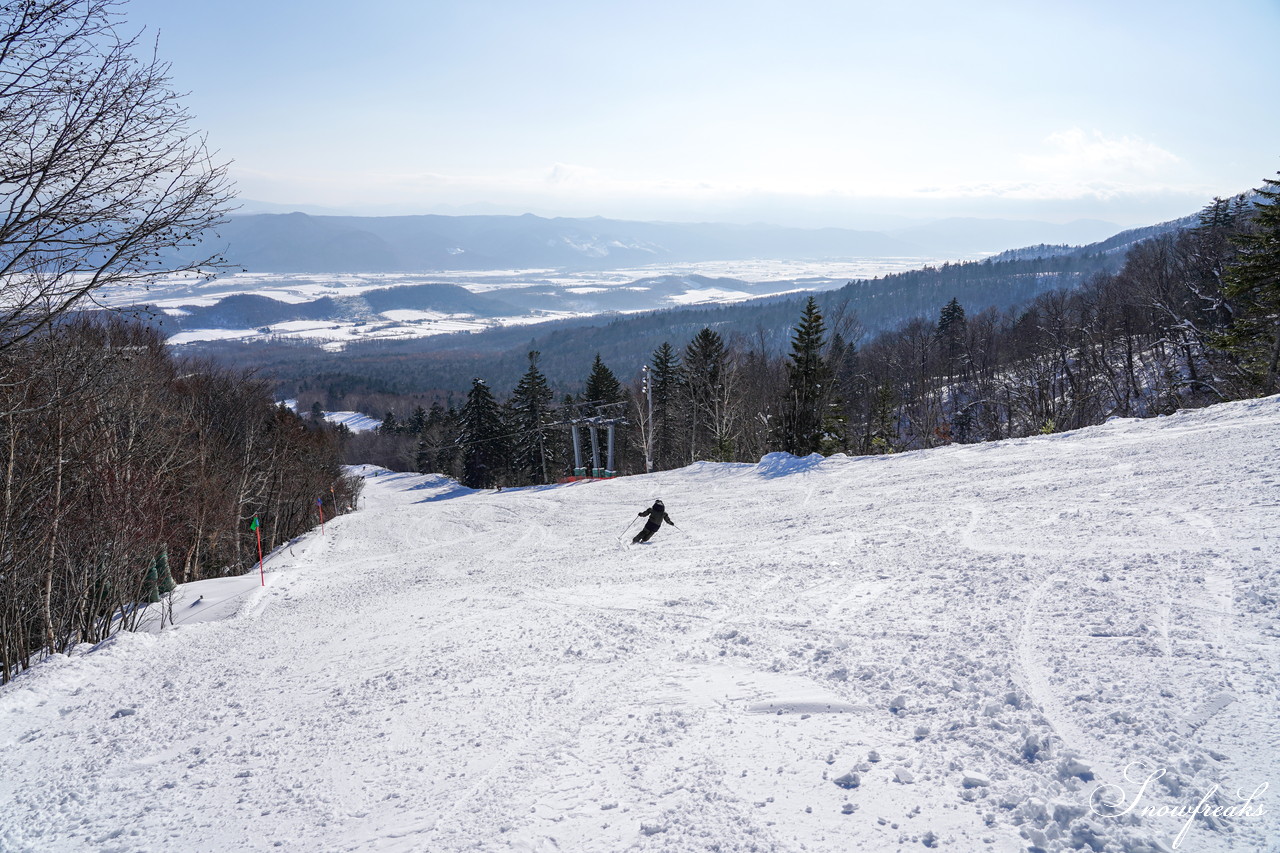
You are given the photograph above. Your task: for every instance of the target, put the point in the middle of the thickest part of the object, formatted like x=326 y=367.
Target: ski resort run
x=979 y=647
x=354 y=421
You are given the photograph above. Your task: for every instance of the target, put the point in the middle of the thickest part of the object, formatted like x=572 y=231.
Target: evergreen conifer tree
x=808 y=423
x=1218 y=213
x=530 y=408
x=666 y=377
x=951 y=319
x=602 y=386
x=434 y=436
x=1253 y=289
x=164 y=577
x=951 y=336
x=158 y=580
x=417 y=421
x=704 y=363
x=704 y=357
x=443 y=425
x=882 y=429
x=151 y=584
x=482 y=437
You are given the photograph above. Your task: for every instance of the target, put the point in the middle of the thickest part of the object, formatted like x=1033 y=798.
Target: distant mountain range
x=303 y=243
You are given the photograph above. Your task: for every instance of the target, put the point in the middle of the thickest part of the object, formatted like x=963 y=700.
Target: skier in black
x=657 y=515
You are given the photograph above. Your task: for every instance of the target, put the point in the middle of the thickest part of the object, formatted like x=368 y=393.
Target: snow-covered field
x=185 y=290
x=946 y=649
x=561 y=295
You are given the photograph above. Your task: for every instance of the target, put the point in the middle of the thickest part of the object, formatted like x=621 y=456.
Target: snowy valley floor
x=447 y=670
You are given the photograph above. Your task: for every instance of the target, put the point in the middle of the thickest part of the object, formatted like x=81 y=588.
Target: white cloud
x=1074 y=154
x=568 y=173
x=1040 y=190
x=1071 y=168
x=1075 y=165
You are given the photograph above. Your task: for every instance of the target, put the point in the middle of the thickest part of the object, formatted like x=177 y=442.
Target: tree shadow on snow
x=443 y=487
x=448 y=492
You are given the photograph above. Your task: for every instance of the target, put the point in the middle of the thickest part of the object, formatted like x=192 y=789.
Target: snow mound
x=784 y=464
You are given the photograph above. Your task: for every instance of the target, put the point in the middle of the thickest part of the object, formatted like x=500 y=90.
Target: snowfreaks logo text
x=1112 y=801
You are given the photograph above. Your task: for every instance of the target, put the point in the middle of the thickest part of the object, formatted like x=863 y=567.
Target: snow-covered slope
x=354 y=421
x=935 y=649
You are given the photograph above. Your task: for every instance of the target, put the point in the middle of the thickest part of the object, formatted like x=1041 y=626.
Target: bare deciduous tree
x=101 y=176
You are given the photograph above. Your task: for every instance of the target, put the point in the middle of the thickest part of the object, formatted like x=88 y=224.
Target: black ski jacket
x=657 y=514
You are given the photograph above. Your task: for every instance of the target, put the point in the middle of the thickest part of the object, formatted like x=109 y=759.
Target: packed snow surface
x=949 y=649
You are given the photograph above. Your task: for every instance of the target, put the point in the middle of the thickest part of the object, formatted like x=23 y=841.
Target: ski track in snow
x=455 y=670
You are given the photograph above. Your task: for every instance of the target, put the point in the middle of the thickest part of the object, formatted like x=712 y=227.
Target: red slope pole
x=261 y=573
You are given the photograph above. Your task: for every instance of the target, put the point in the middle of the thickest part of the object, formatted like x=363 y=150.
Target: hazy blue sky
x=810 y=113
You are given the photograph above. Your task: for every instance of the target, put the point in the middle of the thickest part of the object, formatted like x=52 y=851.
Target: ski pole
x=628 y=527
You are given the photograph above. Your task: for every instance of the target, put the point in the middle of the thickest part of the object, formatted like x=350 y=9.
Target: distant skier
x=657 y=514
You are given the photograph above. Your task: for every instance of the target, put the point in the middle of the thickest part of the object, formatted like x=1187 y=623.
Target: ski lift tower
x=595 y=417
x=647 y=385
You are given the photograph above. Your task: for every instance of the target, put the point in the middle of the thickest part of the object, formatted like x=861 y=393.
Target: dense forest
x=1191 y=317
x=125 y=469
